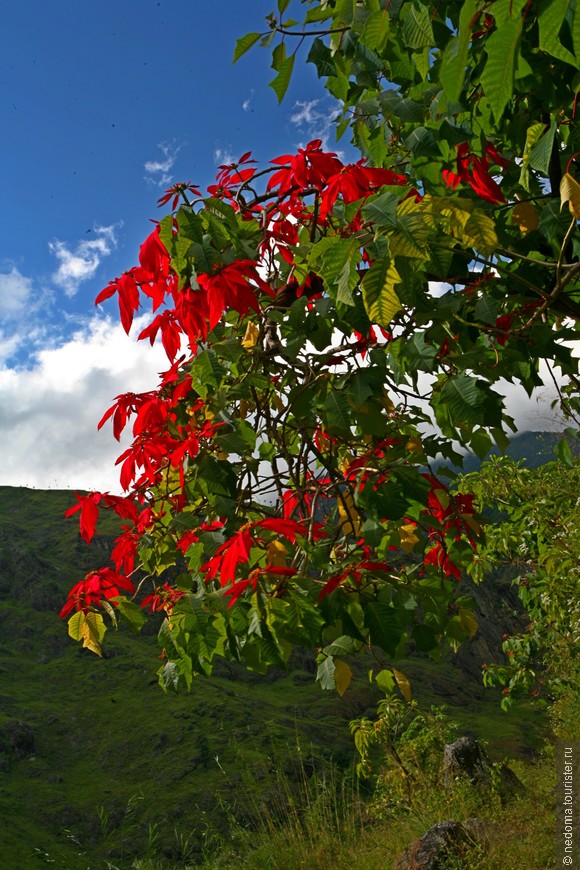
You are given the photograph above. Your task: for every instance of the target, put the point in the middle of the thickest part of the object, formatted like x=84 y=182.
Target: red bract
x=439 y=557
x=474 y=170
x=88 y=507
x=124 y=552
x=230 y=288
x=128 y=292
x=153 y=256
x=355 y=182
x=504 y=324
x=164 y=598
x=230 y=177
x=236 y=550
x=177 y=191
x=227 y=557
x=170 y=333
x=310 y=168
x=97 y=585
x=253 y=579
x=125 y=405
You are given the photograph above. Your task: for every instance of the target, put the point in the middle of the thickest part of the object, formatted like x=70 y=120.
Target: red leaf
x=88 y=507
x=286 y=527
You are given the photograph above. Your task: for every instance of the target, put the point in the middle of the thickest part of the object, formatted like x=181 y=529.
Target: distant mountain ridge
x=532 y=448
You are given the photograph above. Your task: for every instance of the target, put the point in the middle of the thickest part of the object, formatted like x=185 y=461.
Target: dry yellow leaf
x=251 y=337
x=414 y=445
x=342 y=676
x=408 y=537
x=525 y=215
x=570 y=193
x=403 y=684
x=276 y=554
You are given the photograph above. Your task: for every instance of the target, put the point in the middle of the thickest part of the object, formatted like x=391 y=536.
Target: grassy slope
x=107 y=737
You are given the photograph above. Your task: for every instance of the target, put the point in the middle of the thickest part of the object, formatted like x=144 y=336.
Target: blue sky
x=103 y=105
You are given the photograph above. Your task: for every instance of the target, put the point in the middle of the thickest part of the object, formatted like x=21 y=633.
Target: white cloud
x=15 y=293
x=159 y=171
x=315 y=120
x=49 y=412
x=21 y=298
x=79 y=262
x=223 y=155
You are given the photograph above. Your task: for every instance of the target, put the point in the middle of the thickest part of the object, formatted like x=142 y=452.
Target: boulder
x=442 y=842
x=465 y=758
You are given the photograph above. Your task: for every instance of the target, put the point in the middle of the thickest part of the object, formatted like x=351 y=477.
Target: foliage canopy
x=320 y=317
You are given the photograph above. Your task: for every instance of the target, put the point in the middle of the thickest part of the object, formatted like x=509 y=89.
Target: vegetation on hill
x=99 y=769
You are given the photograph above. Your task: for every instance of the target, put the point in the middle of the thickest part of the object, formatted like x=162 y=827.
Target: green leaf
x=321 y=56
x=486 y=310
x=418 y=355
x=564 y=453
x=454 y=63
x=347 y=281
x=422 y=143
x=88 y=627
x=379 y=296
x=280 y=82
x=550 y=20
x=217 y=476
x=206 y=371
x=481 y=443
x=337 y=411
x=385 y=682
x=464 y=398
x=344 y=11
x=325 y=674
x=245 y=43
x=319 y=13
x=479 y=232
x=497 y=77
x=376 y=30
x=338 y=266
x=541 y=150
x=382 y=210
x=381 y=620
x=417 y=29
x=342 y=646
x=241 y=440
x=132 y=613
x=576 y=31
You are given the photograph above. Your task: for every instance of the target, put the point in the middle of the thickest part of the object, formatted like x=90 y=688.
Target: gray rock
x=442 y=842
x=466 y=758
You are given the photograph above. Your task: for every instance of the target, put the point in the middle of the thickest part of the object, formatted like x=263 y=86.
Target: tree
x=319 y=318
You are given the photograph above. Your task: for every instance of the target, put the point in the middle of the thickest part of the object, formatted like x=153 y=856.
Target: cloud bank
x=49 y=412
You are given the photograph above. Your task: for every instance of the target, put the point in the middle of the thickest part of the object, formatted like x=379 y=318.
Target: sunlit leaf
x=570 y=193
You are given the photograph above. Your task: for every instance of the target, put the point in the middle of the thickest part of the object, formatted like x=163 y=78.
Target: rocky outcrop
x=443 y=842
x=466 y=759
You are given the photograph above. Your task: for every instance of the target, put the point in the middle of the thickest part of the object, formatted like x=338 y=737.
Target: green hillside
x=97 y=765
